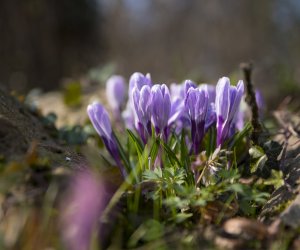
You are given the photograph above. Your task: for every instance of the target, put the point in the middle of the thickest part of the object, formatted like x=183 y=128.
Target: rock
x=242 y=233
x=291 y=215
x=284 y=203
x=20 y=127
x=227 y=243
x=245 y=228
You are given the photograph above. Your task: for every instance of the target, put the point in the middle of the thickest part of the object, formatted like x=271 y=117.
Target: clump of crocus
x=227 y=103
x=101 y=122
x=190 y=107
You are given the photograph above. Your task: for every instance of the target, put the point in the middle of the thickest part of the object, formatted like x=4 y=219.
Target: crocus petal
x=177 y=109
x=142 y=100
x=136 y=99
x=145 y=102
x=115 y=91
x=210 y=118
x=223 y=98
x=190 y=101
x=187 y=85
x=228 y=99
x=196 y=103
x=161 y=106
x=237 y=93
x=139 y=80
x=211 y=90
x=100 y=120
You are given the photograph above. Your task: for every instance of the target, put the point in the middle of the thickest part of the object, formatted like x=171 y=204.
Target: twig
x=251 y=100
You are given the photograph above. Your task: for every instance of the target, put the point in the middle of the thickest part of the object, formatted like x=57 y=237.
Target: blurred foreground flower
x=81 y=211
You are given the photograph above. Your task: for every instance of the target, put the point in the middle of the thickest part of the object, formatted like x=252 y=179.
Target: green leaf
x=150 y=175
x=141 y=151
x=275 y=180
x=238 y=137
x=185 y=159
x=154 y=150
x=237 y=187
x=247 y=207
x=149 y=231
x=123 y=154
x=181 y=217
x=171 y=155
x=256 y=152
x=138 y=144
x=259 y=164
x=176 y=202
x=158 y=172
x=259 y=159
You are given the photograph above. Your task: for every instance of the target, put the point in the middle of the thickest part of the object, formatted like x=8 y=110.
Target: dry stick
x=251 y=100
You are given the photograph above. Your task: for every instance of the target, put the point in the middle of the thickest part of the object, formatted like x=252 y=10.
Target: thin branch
x=251 y=100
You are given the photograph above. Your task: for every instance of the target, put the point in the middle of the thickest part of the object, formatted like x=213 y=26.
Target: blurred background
x=44 y=42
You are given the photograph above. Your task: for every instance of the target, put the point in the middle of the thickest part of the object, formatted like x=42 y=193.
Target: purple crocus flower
x=196 y=103
x=211 y=90
x=142 y=100
x=227 y=103
x=187 y=85
x=177 y=102
x=161 y=108
x=179 y=91
x=138 y=80
x=100 y=120
x=177 y=110
x=210 y=118
x=179 y=115
x=115 y=93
